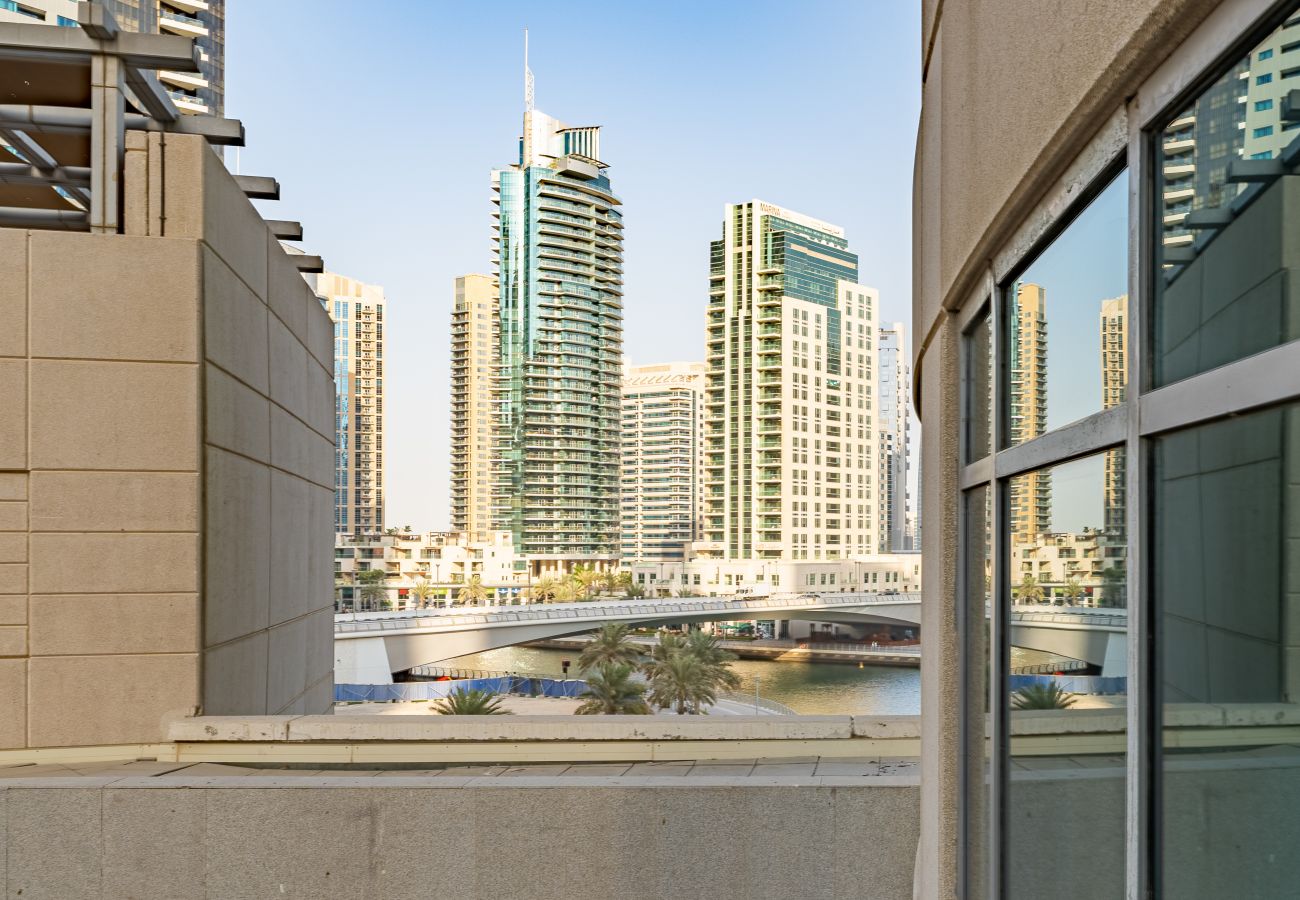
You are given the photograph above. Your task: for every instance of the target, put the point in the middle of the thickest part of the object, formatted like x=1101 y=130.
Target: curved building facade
x=1106 y=260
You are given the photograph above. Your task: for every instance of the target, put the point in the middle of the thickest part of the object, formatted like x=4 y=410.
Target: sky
x=383 y=120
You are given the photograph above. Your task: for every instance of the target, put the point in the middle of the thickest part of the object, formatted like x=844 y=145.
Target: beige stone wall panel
x=287 y=293
x=290 y=547
x=114 y=415
x=13 y=515
x=288 y=359
x=115 y=501
x=85 y=700
x=235 y=325
x=237 y=539
x=13 y=609
x=114 y=297
x=234 y=677
x=114 y=563
x=13 y=702
x=238 y=417
x=13 y=640
x=13 y=413
x=13 y=292
x=100 y=624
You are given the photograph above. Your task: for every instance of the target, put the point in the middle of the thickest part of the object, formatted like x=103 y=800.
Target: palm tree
x=681 y=681
x=568 y=590
x=1073 y=591
x=422 y=590
x=543 y=590
x=473 y=593
x=716 y=661
x=372 y=589
x=470 y=702
x=1029 y=590
x=611 y=691
x=1042 y=696
x=610 y=647
x=634 y=592
x=586 y=577
x=622 y=582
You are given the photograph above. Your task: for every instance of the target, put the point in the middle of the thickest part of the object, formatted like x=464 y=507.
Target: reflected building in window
x=1114 y=385
x=1031 y=496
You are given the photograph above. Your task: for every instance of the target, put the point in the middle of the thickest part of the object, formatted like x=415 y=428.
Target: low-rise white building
x=445 y=561
x=704 y=577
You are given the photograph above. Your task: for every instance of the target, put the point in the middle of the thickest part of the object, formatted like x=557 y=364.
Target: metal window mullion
x=1137 y=812
x=977 y=473
x=1269 y=377
x=998 y=743
x=1083 y=438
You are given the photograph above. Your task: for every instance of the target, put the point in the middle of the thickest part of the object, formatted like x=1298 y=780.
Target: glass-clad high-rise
x=559 y=268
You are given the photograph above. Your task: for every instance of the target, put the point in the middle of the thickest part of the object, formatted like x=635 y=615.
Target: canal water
x=807 y=688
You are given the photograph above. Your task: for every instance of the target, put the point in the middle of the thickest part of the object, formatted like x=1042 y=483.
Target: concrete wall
x=420 y=836
x=167 y=401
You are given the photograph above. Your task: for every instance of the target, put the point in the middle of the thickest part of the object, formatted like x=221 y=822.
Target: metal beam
x=143 y=51
x=258 y=187
x=285 y=230
x=22 y=217
x=76 y=120
x=64 y=176
x=151 y=95
x=33 y=152
x=1209 y=218
x=1242 y=171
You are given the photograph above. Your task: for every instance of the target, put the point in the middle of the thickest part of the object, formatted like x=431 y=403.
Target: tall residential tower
x=1031 y=495
x=897 y=515
x=559 y=268
x=358 y=313
x=473 y=341
x=663 y=430
x=790 y=453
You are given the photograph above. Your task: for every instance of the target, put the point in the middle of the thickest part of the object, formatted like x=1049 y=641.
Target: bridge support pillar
x=1116 y=661
x=363 y=661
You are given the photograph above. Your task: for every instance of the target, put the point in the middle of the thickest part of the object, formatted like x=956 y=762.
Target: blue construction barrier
x=436 y=690
x=1074 y=684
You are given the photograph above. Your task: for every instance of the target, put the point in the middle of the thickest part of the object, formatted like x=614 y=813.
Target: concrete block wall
x=441 y=837
x=165 y=466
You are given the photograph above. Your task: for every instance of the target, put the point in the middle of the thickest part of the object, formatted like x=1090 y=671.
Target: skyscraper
x=559 y=268
x=202 y=20
x=1114 y=381
x=663 y=421
x=473 y=339
x=897 y=523
x=358 y=313
x=790 y=454
x=1031 y=494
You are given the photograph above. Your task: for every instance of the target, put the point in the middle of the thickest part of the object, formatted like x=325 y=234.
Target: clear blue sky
x=382 y=120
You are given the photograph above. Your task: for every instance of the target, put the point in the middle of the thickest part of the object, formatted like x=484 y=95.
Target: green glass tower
x=559 y=268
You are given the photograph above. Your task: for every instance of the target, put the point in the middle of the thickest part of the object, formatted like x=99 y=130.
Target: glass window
x=1261 y=105
x=1226 y=587
x=1068 y=630
x=1228 y=230
x=979 y=388
x=1266 y=78
x=1065 y=314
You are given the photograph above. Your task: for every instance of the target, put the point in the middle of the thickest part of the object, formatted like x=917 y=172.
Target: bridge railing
x=1104 y=620
x=628 y=609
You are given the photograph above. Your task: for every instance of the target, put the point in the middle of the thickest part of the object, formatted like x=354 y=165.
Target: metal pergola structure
x=67 y=97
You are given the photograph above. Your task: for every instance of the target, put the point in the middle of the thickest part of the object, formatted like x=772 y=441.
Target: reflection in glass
x=979 y=389
x=1228 y=219
x=1067 y=687
x=1226 y=585
x=1065 y=318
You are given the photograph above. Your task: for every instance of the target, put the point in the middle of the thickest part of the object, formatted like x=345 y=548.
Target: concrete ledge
x=887 y=727
x=230 y=728
x=567 y=728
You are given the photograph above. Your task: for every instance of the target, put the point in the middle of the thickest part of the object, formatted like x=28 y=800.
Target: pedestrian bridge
x=370 y=647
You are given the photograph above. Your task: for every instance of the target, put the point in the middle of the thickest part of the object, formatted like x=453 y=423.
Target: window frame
x=1267 y=378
